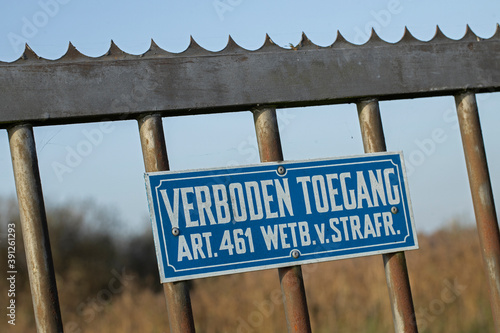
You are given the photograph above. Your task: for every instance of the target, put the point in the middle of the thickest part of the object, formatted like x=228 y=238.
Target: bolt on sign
x=230 y=220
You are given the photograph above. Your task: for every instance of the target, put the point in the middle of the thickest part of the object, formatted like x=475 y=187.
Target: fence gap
x=482 y=195
x=180 y=313
x=35 y=230
x=291 y=279
x=396 y=273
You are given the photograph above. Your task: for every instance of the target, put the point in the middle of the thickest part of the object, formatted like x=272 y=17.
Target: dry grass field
x=108 y=285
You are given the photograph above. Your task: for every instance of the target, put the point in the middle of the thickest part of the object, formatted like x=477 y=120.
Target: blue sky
x=111 y=172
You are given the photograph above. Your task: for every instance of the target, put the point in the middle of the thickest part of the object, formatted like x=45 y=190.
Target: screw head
x=394 y=209
x=295 y=254
x=281 y=170
x=175 y=231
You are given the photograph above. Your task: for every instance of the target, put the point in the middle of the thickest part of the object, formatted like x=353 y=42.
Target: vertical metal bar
x=396 y=273
x=34 y=228
x=291 y=280
x=180 y=314
x=482 y=195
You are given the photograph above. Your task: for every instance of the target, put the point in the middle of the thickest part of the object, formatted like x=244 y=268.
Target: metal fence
x=75 y=89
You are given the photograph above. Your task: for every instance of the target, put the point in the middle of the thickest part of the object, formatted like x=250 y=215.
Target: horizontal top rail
x=77 y=88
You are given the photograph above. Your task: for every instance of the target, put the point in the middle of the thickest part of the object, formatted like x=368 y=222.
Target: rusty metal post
x=180 y=314
x=482 y=195
x=291 y=280
x=396 y=273
x=35 y=230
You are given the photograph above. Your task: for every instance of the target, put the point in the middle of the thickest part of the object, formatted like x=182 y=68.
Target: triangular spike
x=439 y=35
x=72 y=53
x=29 y=54
x=340 y=41
x=305 y=42
x=154 y=49
x=194 y=48
x=114 y=50
x=469 y=35
x=375 y=38
x=408 y=37
x=268 y=42
x=232 y=46
x=497 y=32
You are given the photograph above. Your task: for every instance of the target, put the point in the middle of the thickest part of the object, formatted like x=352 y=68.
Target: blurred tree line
x=92 y=257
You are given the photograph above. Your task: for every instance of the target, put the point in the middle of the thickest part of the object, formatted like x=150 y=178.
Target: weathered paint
x=180 y=314
x=35 y=230
x=482 y=197
x=396 y=272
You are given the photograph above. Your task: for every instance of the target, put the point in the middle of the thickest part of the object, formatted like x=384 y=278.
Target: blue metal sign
x=230 y=220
